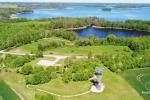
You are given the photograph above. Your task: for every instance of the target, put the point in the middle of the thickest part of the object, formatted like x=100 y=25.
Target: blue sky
x=100 y=1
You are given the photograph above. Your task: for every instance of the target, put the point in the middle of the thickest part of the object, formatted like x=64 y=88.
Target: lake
x=108 y=12
x=103 y=33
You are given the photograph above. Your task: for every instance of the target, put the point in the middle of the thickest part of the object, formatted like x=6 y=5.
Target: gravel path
x=58 y=95
x=54 y=63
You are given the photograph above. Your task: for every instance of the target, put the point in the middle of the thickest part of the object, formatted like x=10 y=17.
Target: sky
x=82 y=1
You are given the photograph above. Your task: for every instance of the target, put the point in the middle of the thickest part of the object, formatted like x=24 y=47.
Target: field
x=6 y=93
x=70 y=49
x=8 y=6
x=114 y=83
x=140 y=80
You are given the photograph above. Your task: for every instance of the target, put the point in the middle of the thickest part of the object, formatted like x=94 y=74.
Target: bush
x=111 y=39
x=67 y=77
x=39 y=54
x=137 y=44
x=37 y=69
x=16 y=61
x=26 y=70
x=39 y=78
x=79 y=70
x=51 y=69
x=40 y=47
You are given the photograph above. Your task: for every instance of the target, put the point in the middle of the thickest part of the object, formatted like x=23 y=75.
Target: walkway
x=58 y=95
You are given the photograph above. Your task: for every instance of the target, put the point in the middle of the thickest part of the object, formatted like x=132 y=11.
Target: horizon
x=79 y=1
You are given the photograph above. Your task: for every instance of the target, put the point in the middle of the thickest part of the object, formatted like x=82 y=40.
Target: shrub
x=37 y=69
x=111 y=39
x=51 y=69
x=39 y=78
x=40 y=47
x=26 y=70
x=67 y=77
x=39 y=54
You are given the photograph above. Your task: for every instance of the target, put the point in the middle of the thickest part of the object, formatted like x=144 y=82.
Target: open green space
x=70 y=49
x=33 y=47
x=47 y=36
x=84 y=50
x=6 y=93
x=140 y=80
x=112 y=91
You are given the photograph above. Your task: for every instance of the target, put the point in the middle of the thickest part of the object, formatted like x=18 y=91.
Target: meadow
x=112 y=91
x=139 y=79
x=6 y=93
x=70 y=49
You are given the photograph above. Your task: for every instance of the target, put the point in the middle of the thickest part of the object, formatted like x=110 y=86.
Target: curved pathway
x=57 y=58
x=54 y=63
x=58 y=95
x=19 y=95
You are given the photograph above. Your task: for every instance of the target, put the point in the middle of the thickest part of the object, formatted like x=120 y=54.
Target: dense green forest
x=16 y=32
x=80 y=22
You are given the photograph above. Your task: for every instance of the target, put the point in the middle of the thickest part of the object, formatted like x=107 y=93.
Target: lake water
x=103 y=33
x=120 y=14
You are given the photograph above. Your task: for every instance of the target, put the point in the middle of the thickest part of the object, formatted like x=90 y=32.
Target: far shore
x=99 y=27
x=117 y=28
x=74 y=29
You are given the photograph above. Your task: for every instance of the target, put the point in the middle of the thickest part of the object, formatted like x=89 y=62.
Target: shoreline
x=74 y=29
x=117 y=28
x=99 y=27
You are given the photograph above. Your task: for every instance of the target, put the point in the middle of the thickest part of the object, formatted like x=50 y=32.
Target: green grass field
x=6 y=93
x=72 y=50
x=140 y=80
x=117 y=88
x=32 y=48
x=84 y=50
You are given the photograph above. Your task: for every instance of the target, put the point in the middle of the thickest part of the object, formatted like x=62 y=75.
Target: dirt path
x=19 y=95
x=58 y=95
x=57 y=57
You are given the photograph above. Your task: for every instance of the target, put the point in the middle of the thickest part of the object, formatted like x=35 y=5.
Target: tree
x=26 y=70
x=37 y=69
x=40 y=47
x=111 y=38
x=67 y=77
x=39 y=54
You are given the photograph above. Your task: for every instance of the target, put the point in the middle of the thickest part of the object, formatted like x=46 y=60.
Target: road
x=57 y=57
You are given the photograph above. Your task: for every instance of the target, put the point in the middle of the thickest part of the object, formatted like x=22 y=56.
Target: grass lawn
x=84 y=50
x=32 y=48
x=140 y=80
x=17 y=82
x=117 y=88
x=72 y=50
x=6 y=93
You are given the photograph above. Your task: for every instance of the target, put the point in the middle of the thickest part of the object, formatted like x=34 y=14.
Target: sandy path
x=58 y=95
x=54 y=63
